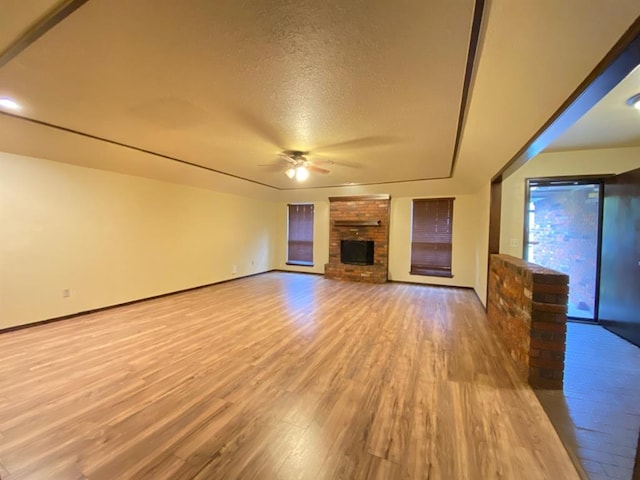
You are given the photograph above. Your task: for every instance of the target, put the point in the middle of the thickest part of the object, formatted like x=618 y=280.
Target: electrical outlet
x=66 y=293
x=514 y=242
x=234 y=269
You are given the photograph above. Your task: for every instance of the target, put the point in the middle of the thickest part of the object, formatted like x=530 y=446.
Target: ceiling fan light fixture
x=634 y=101
x=302 y=173
x=290 y=172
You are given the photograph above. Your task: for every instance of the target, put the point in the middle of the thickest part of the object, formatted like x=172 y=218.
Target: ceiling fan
x=299 y=166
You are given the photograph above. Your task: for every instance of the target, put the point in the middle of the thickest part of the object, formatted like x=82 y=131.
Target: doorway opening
x=563 y=232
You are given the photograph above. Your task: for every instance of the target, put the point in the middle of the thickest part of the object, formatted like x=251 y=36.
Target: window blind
x=431 y=237
x=300 y=235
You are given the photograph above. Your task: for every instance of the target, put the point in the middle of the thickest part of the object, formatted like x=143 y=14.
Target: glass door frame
x=569 y=180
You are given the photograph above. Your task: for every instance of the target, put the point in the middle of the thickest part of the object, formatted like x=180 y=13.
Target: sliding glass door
x=562 y=228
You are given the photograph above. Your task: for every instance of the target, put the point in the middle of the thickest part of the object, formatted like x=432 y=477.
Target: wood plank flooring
x=278 y=376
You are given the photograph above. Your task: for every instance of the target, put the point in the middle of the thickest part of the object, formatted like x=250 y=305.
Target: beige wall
x=111 y=238
x=470 y=239
x=554 y=164
x=463 y=247
x=481 y=206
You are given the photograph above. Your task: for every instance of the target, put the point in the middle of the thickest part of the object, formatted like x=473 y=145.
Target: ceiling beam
x=42 y=26
x=474 y=41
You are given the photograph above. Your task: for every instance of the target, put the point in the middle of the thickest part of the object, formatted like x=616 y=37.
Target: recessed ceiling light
x=634 y=101
x=10 y=104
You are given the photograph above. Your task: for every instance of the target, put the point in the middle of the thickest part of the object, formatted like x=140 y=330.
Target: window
x=431 y=237
x=300 y=235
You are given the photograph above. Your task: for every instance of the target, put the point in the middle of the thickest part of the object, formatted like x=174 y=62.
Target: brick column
x=527 y=308
x=548 y=329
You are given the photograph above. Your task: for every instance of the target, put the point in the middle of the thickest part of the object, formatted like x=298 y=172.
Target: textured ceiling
x=372 y=88
x=362 y=85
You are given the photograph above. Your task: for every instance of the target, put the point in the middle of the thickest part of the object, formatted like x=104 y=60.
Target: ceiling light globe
x=302 y=174
x=290 y=172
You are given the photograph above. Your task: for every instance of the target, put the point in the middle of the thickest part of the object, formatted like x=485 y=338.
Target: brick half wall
x=527 y=308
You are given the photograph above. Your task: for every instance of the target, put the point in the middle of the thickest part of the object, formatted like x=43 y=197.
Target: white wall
x=111 y=238
x=554 y=164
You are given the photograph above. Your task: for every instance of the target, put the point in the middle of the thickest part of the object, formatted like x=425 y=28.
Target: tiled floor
x=598 y=414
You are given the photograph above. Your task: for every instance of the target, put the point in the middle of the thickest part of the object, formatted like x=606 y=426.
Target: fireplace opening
x=356 y=252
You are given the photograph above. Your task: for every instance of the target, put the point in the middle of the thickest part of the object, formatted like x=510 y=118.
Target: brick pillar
x=527 y=308
x=548 y=330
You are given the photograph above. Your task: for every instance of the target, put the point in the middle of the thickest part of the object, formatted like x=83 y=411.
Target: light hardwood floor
x=278 y=376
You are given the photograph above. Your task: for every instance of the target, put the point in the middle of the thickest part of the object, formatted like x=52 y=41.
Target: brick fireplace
x=361 y=217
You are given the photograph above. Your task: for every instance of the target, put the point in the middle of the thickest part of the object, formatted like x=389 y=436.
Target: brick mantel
x=363 y=217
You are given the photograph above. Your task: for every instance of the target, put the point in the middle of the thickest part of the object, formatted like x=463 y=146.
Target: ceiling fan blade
x=364 y=142
x=322 y=161
x=286 y=157
x=315 y=169
x=260 y=127
x=340 y=163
